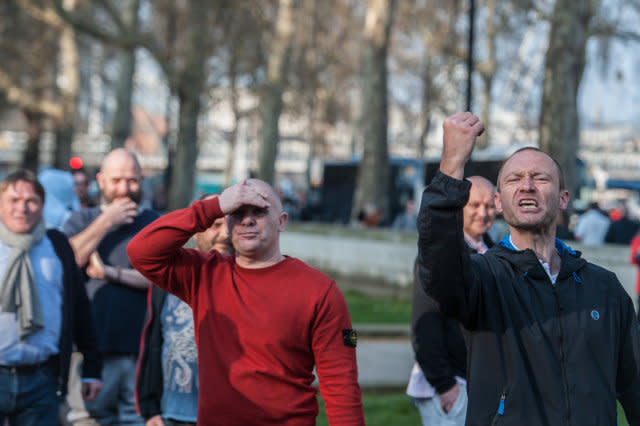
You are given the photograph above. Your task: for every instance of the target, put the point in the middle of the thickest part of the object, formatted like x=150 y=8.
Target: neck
x=542 y=244
x=250 y=261
x=476 y=239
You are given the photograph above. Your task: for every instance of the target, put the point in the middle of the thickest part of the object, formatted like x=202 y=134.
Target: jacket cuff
x=455 y=187
x=444 y=384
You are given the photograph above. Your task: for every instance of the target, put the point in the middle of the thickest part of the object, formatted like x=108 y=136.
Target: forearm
x=84 y=243
x=126 y=276
x=157 y=251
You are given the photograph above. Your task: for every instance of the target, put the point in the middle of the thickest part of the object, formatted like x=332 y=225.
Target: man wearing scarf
x=44 y=309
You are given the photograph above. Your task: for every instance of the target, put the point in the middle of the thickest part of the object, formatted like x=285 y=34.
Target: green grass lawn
x=622 y=419
x=382 y=409
x=388 y=409
x=366 y=309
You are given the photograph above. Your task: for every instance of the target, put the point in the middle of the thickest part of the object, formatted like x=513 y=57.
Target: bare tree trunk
x=189 y=92
x=487 y=70
x=427 y=99
x=372 y=184
x=31 y=155
x=233 y=137
x=70 y=76
x=278 y=65
x=314 y=96
x=564 y=66
x=121 y=125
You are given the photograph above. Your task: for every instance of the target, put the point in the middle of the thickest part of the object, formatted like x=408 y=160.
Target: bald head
x=478 y=183
x=118 y=157
x=531 y=150
x=120 y=176
x=480 y=210
x=272 y=198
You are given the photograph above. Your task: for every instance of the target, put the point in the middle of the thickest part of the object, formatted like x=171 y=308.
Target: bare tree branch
x=126 y=39
x=25 y=100
x=47 y=16
x=614 y=31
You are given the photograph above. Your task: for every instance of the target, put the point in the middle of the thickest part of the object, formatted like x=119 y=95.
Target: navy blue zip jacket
x=539 y=353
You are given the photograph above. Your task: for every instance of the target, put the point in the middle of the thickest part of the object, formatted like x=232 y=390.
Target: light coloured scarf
x=19 y=290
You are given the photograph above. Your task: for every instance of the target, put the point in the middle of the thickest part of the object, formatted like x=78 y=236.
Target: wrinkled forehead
x=530 y=161
x=19 y=188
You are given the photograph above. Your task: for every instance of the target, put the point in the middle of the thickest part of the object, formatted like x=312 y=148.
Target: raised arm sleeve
x=444 y=264
x=157 y=252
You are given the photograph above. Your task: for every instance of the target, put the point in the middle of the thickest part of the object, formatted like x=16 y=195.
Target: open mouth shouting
x=528 y=204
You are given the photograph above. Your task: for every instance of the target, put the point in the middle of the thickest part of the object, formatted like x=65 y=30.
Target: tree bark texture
x=31 y=154
x=121 y=124
x=372 y=184
x=278 y=65
x=189 y=91
x=70 y=75
x=564 y=66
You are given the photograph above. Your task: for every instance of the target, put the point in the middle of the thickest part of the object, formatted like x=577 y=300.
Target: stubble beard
x=136 y=197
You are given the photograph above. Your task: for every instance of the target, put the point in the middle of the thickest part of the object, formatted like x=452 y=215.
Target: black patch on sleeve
x=350 y=337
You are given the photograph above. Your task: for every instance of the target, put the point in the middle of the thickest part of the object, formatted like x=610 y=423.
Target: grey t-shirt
x=118 y=310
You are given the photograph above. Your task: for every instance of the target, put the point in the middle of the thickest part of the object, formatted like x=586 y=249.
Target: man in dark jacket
x=438 y=378
x=553 y=339
x=44 y=310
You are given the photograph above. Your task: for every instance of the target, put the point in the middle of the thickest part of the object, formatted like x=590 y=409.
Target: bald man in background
x=99 y=238
x=438 y=377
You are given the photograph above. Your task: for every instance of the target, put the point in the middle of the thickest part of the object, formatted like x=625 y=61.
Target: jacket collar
x=527 y=261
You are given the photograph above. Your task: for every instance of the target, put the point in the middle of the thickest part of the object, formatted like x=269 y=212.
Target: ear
x=282 y=221
x=100 y=180
x=498 y=202
x=564 y=199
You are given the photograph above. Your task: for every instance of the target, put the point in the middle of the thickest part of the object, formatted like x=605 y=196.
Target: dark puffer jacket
x=539 y=354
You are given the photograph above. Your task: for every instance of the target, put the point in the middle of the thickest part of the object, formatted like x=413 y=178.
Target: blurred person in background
x=406 y=221
x=592 y=226
x=99 y=237
x=635 y=259
x=81 y=183
x=622 y=228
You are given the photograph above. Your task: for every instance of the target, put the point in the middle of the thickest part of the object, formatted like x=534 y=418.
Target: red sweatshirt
x=635 y=251
x=259 y=331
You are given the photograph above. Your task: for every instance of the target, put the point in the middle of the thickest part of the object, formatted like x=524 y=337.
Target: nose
x=248 y=219
x=22 y=206
x=527 y=183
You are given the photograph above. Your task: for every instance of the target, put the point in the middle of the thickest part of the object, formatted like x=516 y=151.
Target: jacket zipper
x=500 y=411
x=562 y=354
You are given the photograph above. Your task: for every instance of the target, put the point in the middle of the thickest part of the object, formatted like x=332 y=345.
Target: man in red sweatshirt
x=262 y=320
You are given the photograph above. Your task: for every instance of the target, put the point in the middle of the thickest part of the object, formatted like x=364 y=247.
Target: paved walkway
x=384 y=363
